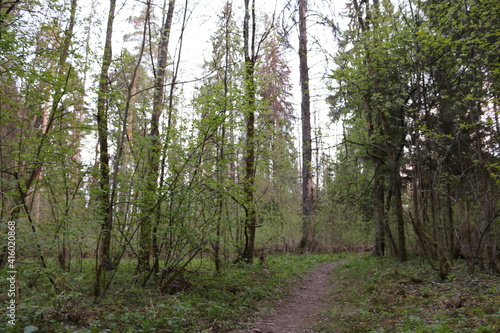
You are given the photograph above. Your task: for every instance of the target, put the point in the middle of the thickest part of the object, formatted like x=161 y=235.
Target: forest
x=141 y=141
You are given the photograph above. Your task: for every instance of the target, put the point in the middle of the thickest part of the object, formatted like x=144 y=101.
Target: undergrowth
x=213 y=302
x=379 y=295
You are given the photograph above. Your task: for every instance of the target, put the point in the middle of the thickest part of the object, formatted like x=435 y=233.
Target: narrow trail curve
x=296 y=313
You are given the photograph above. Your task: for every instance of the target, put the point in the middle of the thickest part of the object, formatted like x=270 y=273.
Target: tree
x=278 y=182
x=451 y=102
x=423 y=87
x=250 y=52
x=150 y=202
x=373 y=85
x=217 y=103
x=305 y=106
x=105 y=210
x=37 y=122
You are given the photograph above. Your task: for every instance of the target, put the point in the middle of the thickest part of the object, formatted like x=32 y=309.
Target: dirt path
x=295 y=314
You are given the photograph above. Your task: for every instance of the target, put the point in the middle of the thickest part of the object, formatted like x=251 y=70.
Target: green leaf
x=30 y=329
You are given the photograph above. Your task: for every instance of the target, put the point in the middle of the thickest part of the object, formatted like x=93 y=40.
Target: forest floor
x=346 y=293
x=297 y=311
x=367 y=294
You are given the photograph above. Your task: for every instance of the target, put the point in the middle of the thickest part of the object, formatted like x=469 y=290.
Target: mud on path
x=296 y=313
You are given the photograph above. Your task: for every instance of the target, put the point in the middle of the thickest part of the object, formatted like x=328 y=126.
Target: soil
x=296 y=313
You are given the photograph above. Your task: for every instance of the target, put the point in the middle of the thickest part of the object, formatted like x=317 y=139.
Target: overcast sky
x=203 y=15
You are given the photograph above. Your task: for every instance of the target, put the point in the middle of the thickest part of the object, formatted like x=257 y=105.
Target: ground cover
x=209 y=302
x=380 y=295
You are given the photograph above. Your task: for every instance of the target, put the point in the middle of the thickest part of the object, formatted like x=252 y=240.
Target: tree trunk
x=104 y=204
x=396 y=183
x=387 y=228
x=64 y=255
x=249 y=178
x=307 y=182
x=221 y=158
x=378 y=201
x=149 y=201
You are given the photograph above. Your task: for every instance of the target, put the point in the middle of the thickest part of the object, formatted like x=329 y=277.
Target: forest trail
x=296 y=313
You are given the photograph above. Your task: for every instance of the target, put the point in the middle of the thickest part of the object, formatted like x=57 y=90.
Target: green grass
x=216 y=302
x=379 y=295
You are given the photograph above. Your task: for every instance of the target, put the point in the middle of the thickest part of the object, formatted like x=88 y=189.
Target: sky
x=196 y=48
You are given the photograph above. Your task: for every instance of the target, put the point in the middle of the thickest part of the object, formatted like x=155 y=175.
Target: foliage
x=414 y=87
x=211 y=174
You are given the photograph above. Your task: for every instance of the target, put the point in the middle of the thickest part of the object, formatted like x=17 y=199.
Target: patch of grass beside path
x=379 y=295
x=213 y=302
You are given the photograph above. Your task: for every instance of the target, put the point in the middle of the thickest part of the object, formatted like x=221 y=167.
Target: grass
x=368 y=295
x=380 y=295
x=214 y=302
